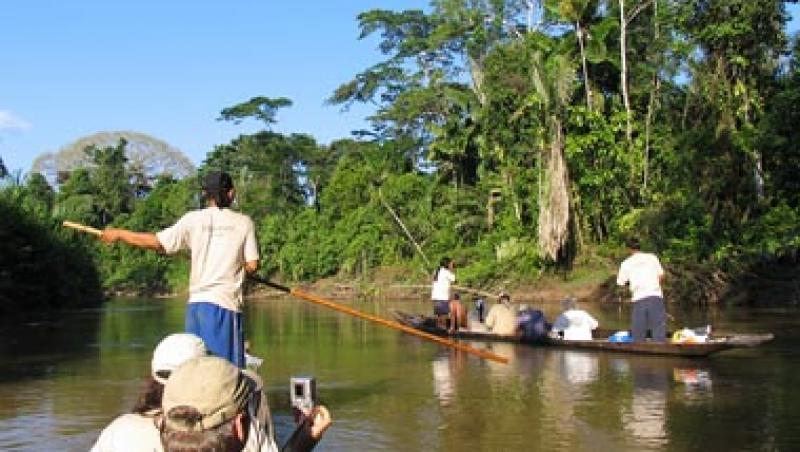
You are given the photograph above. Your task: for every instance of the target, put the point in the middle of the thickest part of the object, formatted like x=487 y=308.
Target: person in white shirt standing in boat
x=223 y=247
x=576 y=324
x=443 y=278
x=643 y=272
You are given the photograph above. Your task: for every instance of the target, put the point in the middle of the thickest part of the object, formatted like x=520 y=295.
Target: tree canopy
x=518 y=137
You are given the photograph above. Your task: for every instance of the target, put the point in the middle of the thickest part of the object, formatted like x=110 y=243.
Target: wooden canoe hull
x=716 y=344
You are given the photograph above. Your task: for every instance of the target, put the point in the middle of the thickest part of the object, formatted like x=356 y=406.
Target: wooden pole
x=405 y=229
x=83 y=228
x=388 y=323
x=347 y=310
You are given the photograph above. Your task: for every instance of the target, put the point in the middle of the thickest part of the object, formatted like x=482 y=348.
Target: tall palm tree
x=553 y=76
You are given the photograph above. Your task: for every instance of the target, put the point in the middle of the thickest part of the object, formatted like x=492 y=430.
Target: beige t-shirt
x=643 y=271
x=502 y=319
x=129 y=432
x=137 y=433
x=221 y=241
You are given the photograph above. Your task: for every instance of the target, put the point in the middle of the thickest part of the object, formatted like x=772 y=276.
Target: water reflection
x=579 y=368
x=444 y=385
x=390 y=391
x=645 y=418
x=658 y=381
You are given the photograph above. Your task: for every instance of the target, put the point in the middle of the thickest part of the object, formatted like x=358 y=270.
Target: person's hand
x=320 y=421
x=110 y=235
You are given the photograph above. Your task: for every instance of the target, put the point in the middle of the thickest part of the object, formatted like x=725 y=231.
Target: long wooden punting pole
x=83 y=228
x=347 y=310
x=388 y=323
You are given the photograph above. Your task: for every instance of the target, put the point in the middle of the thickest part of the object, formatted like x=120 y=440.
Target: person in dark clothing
x=532 y=324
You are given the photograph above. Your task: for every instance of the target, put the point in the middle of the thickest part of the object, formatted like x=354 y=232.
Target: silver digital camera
x=303 y=392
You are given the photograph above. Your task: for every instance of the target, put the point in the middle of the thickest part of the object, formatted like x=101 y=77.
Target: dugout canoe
x=717 y=343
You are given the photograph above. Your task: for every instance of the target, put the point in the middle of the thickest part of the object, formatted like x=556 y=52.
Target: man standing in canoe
x=223 y=247
x=644 y=273
x=443 y=278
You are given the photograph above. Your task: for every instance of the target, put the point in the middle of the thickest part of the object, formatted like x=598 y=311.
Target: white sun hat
x=173 y=351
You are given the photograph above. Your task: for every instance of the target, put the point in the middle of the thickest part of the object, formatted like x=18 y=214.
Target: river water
x=62 y=381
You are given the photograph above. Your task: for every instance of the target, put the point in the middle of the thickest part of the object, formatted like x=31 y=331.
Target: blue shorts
x=220 y=329
x=441 y=307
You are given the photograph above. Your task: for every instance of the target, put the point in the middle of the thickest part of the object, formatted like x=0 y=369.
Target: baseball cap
x=215 y=181
x=172 y=351
x=212 y=386
x=633 y=243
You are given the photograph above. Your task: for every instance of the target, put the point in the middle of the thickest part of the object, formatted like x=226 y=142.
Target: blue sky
x=166 y=68
x=71 y=68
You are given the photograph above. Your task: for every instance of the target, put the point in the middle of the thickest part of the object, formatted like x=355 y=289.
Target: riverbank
x=764 y=284
x=391 y=283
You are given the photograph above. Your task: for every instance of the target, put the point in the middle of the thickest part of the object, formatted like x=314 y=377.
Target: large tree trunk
x=651 y=103
x=476 y=72
x=508 y=181
x=554 y=207
x=586 y=83
x=623 y=48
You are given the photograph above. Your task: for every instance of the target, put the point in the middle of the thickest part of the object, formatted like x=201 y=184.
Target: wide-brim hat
x=212 y=387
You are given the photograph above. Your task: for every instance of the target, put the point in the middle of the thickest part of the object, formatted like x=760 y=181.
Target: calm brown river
x=62 y=381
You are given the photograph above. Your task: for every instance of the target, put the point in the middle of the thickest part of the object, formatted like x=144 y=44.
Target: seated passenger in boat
x=574 y=324
x=502 y=318
x=532 y=324
x=137 y=431
x=210 y=404
x=458 y=314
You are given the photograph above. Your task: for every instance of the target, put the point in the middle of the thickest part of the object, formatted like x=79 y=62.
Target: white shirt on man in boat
x=643 y=271
x=441 y=286
x=576 y=324
x=502 y=319
x=220 y=241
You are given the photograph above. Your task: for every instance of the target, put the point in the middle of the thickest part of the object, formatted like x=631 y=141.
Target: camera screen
x=298 y=390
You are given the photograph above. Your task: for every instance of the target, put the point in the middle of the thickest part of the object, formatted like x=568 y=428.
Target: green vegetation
x=520 y=141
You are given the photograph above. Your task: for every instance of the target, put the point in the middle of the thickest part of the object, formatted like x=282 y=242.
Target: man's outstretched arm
x=146 y=240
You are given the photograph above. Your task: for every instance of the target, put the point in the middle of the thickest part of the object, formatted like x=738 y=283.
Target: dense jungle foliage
x=518 y=137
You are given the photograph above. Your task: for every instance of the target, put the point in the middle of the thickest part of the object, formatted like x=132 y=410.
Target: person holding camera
x=208 y=404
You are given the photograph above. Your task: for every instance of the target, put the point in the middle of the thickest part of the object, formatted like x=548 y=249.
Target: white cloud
x=11 y=123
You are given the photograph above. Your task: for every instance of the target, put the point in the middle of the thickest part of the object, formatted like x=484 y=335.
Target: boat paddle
x=341 y=308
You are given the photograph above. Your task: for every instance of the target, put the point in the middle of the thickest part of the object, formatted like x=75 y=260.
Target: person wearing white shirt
x=443 y=278
x=223 y=248
x=644 y=274
x=575 y=324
